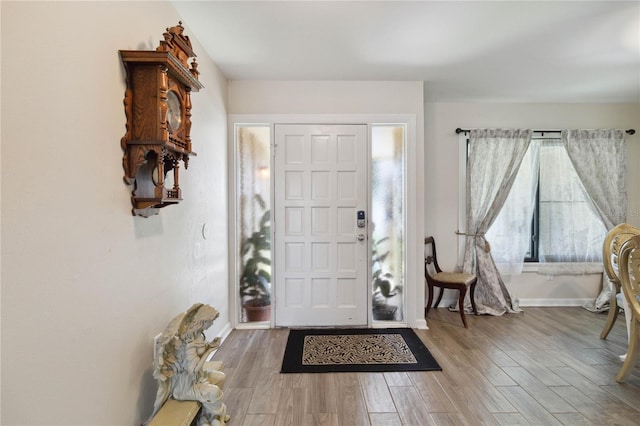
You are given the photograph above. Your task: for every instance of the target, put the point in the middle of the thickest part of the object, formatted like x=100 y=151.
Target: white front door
x=321 y=255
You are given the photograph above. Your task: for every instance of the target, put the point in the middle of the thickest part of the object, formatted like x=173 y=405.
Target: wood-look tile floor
x=545 y=366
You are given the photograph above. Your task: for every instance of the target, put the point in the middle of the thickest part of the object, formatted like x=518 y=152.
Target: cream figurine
x=181 y=365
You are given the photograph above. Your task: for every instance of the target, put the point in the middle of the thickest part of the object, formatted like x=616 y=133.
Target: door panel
x=321 y=264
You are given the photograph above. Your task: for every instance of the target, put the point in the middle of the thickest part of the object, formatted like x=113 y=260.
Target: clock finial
x=194 y=68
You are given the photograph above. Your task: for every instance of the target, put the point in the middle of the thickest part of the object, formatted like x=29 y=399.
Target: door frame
x=414 y=279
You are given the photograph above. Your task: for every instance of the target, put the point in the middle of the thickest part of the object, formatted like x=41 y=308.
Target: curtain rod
x=629 y=132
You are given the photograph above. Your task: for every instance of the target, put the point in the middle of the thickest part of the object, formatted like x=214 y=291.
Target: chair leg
x=472 y=296
x=439 y=297
x=613 y=315
x=463 y=292
x=429 y=301
x=633 y=354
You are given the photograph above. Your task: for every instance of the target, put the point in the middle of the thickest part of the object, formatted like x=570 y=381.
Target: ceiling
x=471 y=51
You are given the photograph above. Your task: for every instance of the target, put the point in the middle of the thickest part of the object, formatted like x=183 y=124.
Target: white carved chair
x=630 y=284
x=613 y=242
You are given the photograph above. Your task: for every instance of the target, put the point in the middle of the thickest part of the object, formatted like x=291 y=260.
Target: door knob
x=360 y=237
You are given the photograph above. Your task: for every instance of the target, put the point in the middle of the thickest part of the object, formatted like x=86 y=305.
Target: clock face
x=174 y=110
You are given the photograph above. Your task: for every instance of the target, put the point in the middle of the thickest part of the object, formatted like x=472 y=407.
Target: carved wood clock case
x=157 y=106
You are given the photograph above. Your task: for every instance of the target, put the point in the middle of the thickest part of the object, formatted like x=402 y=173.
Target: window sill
x=531 y=267
x=557 y=268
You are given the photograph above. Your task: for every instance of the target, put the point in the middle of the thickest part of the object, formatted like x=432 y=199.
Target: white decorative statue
x=180 y=365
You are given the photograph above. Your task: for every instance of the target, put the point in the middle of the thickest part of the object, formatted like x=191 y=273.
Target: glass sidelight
x=253 y=192
x=387 y=221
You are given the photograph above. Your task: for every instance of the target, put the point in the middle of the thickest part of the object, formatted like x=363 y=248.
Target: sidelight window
x=253 y=154
x=387 y=221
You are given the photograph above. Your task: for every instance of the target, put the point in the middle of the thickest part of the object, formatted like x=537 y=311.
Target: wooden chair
x=453 y=280
x=613 y=242
x=630 y=284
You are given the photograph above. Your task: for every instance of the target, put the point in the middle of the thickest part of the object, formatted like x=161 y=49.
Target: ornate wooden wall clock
x=157 y=105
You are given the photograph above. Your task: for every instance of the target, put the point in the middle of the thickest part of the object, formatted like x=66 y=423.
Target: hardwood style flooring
x=545 y=366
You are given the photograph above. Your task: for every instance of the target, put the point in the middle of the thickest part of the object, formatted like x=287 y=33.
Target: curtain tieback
x=487 y=247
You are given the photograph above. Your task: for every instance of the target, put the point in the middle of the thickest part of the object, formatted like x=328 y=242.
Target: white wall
x=326 y=97
x=354 y=98
x=85 y=285
x=442 y=176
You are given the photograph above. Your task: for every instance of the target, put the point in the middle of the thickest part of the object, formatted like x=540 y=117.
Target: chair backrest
x=430 y=259
x=613 y=242
x=630 y=273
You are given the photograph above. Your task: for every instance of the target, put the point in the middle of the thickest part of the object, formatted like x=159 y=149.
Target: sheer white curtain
x=510 y=233
x=492 y=166
x=570 y=232
x=598 y=157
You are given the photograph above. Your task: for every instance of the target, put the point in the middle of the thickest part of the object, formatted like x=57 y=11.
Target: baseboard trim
x=420 y=324
x=553 y=302
x=224 y=333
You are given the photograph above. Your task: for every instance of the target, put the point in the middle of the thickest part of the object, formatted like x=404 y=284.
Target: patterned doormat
x=355 y=350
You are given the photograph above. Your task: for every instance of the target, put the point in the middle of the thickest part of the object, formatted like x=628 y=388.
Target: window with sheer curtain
x=548 y=217
x=569 y=228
